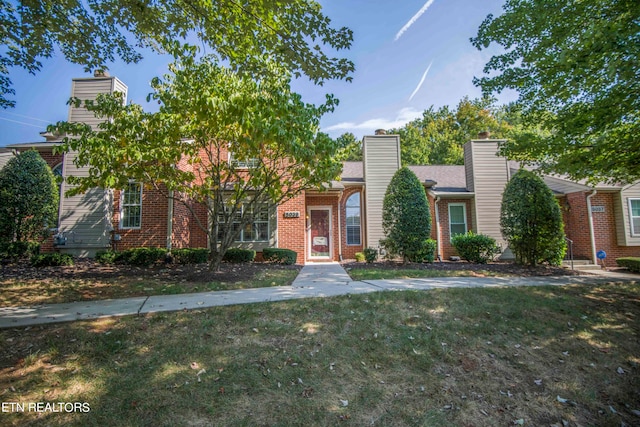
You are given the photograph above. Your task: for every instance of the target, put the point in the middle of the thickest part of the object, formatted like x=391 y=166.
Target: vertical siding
x=4 y=158
x=381 y=155
x=468 y=166
x=623 y=216
x=489 y=177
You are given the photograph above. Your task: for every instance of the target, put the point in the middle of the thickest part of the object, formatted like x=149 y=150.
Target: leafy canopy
x=531 y=220
x=576 y=67
x=208 y=113
x=28 y=198
x=406 y=218
x=94 y=33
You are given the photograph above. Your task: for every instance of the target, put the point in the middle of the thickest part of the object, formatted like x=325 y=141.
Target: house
x=345 y=218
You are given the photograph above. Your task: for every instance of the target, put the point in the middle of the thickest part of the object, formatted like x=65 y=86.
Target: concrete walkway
x=318 y=280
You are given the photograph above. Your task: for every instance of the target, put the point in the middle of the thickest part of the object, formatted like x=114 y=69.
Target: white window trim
x=346 y=217
x=631 y=217
x=121 y=226
x=247 y=164
x=320 y=208
x=241 y=238
x=464 y=215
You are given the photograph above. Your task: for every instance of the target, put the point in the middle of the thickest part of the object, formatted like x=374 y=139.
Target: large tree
x=242 y=144
x=94 y=33
x=576 y=66
x=28 y=198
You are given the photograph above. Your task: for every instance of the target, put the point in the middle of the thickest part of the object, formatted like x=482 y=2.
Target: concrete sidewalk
x=319 y=280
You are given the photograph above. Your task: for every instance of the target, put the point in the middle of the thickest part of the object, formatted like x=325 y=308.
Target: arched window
x=57 y=170
x=353 y=220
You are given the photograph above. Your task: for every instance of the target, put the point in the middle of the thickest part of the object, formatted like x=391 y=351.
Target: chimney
x=381 y=132
x=484 y=134
x=100 y=73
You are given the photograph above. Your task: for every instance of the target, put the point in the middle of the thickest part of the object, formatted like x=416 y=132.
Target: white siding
x=88 y=89
x=4 y=158
x=381 y=160
x=623 y=216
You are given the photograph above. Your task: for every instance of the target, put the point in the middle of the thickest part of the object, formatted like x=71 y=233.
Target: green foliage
x=13 y=251
x=438 y=137
x=370 y=255
x=28 y=198
x=406 y=218
x=190 y=255
x=94 y=33
x=54 y=259
x=478 y=248
x=575 y=66
x=350 y=147
x=280 y=255
x=142 y=257
x=427 y=252
x=106 y=256
x=238 y=255
x=360 y=257
x=257 y=119
x=531 y=220
x=632 y=263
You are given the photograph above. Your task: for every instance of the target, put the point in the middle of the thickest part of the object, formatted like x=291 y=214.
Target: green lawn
x=409 y=273
x=460 y=357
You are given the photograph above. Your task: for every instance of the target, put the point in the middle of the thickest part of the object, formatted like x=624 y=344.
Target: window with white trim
x=457 y=219
x=131 y=206
x=353 y=220
x=634 y=216
x=243 y=164
x=255 y=231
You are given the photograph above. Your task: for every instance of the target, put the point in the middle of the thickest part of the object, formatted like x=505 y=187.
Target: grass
x=373 y=273
x=20 y=292
x=459 y=357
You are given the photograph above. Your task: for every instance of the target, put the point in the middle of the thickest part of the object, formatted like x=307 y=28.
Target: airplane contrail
x=413 y=19
x=424 y=76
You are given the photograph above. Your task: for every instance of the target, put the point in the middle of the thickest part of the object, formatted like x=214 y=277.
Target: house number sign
x=292 y=214
x=597 y=208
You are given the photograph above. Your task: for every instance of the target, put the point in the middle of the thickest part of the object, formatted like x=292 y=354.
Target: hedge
x=190 y=255
x=632 y=263
x=16 y=250
x=478 y=248
x=237 y=255
x=280 y=255
x=54 y=259
x=370 y=255
x=142 y=257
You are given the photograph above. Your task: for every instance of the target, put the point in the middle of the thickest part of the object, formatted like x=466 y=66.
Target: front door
x=320 y=233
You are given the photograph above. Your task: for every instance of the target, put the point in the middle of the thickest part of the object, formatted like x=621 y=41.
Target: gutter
x=170 y=221
x=438 y=239
x=591 y=229
x=340 y=227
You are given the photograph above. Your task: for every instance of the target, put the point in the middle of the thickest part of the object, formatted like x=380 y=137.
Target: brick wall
x=349 y=251
x=447 y=249
x=153 y=226
x=291 y=231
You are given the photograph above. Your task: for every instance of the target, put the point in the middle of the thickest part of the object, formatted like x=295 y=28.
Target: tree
x=406 y=218
x=576 y=67
x=246 y=143
x=28 y=198
x=439 y=135
x=93 y=33
x=351 y=148
x=531 y=220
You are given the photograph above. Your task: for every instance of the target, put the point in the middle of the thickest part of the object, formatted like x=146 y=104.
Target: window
x=57 y=170
x=255 y=231
x=131 y=206
x=353 y=220
x=243 y=164
x=634 y=216
x=457 y=219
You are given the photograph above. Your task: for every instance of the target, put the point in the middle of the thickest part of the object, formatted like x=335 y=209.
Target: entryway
x=319 y=234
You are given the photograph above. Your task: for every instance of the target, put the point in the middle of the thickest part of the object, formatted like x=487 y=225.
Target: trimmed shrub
x=531 y=220
x=427 y=252
x=54 y=259
x=238 y=255
x=632 y=263
x=478 y=248
x=106 y=256
x=141 y=257
x=360 y=257
x=406 y=218
x=370 y=255
x=16 y=250
x=280 y=255
x=190 y=255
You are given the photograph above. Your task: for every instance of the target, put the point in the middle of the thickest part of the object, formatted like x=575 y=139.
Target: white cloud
x=413 y=19
x=424 y=76
x=403 y=116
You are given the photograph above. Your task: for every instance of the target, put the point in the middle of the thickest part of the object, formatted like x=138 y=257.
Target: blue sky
x=409 y=55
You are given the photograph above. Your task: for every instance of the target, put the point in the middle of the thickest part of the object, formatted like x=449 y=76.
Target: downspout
x=439 y=253
x=340 y=227
x=591 y=229
x=170 y=221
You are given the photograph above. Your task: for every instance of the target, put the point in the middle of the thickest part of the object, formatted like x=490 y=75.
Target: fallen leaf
x=620 y=371
x=537 y=382
x=344 y=402
x=561 y=400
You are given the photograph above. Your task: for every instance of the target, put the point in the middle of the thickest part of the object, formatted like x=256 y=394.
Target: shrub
x=370 y=255
x=632 y=263
x=239 y=255
x=54 y=259
x=16 y=250
x=406 y=219
x=142 y=257
x=426 y=253
x=531 y=220
x=106 y=256
x=190 y=255
x=280 y=255
x=478 y=248
x=360 y=257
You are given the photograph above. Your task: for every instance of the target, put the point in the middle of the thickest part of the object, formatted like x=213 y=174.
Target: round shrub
x=54 y=259
x=280 y=255
x=370 y=255
x=360 y=257
x=478 y=248
x=238 y=255
x=190 y=255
